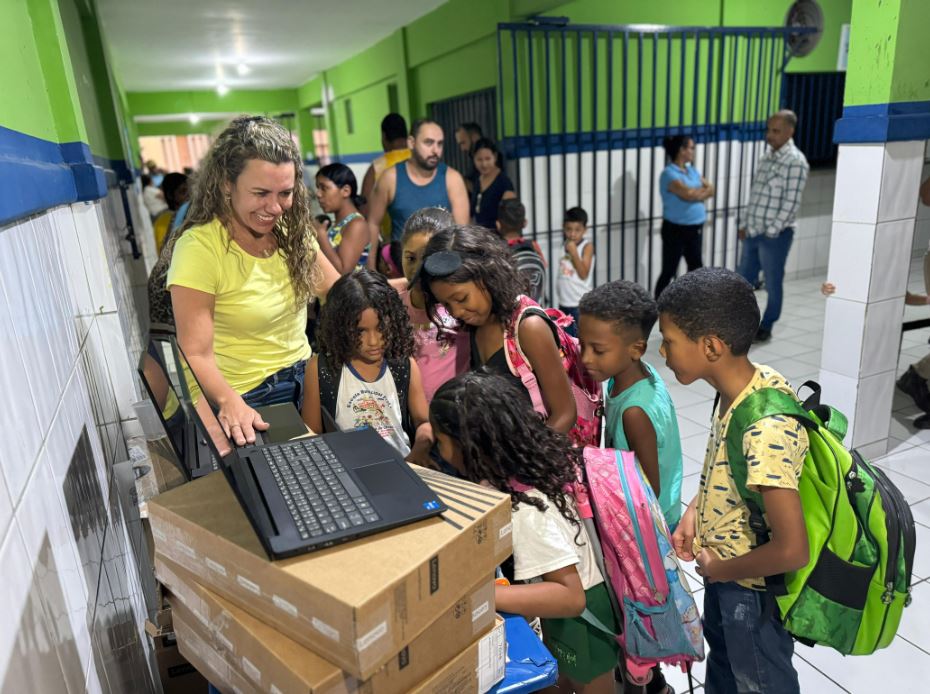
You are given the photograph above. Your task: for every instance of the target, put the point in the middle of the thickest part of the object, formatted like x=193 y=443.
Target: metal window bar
x=727 y=81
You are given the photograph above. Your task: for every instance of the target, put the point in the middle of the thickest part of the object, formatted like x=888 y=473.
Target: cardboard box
x=178 y=676
x=477 y=668
x=271 y=660
x=356 y=604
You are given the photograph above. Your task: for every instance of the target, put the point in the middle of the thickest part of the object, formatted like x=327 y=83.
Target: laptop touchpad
x=383 y=479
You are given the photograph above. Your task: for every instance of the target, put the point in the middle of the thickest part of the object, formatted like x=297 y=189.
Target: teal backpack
x=851 y=594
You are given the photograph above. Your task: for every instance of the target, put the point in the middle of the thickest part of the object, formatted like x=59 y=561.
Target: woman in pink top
x=443 y=353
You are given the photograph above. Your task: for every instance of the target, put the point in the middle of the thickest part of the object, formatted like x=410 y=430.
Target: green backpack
x=851 y=594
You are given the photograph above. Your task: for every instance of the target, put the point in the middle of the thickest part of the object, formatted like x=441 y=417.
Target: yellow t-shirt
x=160 y=228
x=257 y=330
x=774 y=448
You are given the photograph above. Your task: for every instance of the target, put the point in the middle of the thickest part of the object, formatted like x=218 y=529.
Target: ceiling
x=198 y=44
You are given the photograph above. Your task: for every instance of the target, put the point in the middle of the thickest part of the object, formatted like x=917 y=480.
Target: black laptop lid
x=239 y=475
x=170 y=394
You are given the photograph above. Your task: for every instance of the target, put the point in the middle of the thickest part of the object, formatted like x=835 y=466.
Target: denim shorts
x=750 y=651
x=286 y=385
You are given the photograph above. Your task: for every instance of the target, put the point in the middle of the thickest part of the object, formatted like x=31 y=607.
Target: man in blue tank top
x=421 y=181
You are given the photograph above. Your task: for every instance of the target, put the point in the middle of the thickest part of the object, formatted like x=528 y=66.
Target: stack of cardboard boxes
x=410 y=609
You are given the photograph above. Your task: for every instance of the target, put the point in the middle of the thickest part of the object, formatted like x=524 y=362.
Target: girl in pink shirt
x=440 y=353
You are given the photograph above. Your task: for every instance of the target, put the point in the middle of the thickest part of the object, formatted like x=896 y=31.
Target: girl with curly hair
x=484 y=431
x=364 y=374
x=243 y=268
x=468 y=270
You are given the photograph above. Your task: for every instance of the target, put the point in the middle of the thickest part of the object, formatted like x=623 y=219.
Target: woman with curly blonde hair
x=243 y=268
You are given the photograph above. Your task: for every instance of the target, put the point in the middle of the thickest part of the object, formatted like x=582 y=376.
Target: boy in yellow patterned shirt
x=708 y=319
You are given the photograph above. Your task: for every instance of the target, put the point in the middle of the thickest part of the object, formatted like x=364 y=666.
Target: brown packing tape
x=271 y=660
x=473 y=670
x=358 y=603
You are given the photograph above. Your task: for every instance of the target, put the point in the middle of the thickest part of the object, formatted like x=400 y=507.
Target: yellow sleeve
x=195 y=264
x=774 y=448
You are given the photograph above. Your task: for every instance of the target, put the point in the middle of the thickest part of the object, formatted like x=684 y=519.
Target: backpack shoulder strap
x=517 y=362
x=400 y=371
x=329 y=384
x=765 y=402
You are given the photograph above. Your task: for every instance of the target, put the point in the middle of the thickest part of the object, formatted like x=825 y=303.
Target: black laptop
x=160 y=377
x=320 y=491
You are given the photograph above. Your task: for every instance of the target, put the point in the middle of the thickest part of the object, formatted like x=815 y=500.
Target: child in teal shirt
x=616 y=319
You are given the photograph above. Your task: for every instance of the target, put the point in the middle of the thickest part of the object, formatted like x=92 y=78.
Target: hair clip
x=442 y=264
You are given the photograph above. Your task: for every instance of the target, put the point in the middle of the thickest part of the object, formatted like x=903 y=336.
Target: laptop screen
x=175 y=394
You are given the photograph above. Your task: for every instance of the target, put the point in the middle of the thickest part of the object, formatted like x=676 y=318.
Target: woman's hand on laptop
x=239 y=421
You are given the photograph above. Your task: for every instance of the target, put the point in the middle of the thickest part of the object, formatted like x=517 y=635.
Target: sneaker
x=922 y=422
x=763 y=335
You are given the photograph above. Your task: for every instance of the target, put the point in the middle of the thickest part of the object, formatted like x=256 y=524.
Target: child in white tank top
x=365 y=374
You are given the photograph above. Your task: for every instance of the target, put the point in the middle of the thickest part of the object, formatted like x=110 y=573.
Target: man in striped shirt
x=770 y=217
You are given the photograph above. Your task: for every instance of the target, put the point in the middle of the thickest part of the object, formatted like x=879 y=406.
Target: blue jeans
x=750 y=652
x=767 y=254
x=286 y=385
x=574 y=313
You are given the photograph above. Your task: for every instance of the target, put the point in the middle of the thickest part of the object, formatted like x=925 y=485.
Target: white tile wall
x=843 y=341
x=874 y=216
x=901 y=168
x=858 y=182
x=69 y=336
x=882 y=336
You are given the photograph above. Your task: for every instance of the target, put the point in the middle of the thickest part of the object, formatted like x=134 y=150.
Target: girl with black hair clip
x=469 y=271
x=346 y=242
x=484 y=431
x=364 y=374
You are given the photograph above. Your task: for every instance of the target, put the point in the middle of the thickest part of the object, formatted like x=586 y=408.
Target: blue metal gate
x=583 y=111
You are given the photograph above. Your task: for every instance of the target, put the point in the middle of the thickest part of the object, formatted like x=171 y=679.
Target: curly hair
x=244 y=139
x=486 y=261
x=713 y=301
x=623 y=303
x=503 y=440
x=338 y=332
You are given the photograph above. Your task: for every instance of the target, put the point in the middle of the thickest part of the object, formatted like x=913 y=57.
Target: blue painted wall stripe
x=895 y=122
x=38 y=174
x=629 y=138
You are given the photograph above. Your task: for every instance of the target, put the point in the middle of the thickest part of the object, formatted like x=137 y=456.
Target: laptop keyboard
x=321 y=496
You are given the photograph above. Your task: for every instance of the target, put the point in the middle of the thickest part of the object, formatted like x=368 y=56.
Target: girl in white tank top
x=365 y=374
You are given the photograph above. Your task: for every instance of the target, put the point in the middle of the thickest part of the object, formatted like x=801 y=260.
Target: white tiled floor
x=795 y=352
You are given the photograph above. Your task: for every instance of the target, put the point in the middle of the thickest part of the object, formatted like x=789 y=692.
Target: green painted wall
x=673 y=12
x=270 y=101
x=445 y=76
x=26 y=107
x=92 y=79
x=55 y=80
x=204 y=127
x=772 y=13
x=889 y=54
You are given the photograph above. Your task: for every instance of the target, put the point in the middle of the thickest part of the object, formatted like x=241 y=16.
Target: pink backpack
x=660 y=619
x=587 y=392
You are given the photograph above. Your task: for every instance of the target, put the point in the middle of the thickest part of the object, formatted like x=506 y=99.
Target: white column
x=874 y=212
